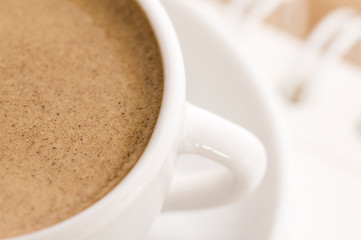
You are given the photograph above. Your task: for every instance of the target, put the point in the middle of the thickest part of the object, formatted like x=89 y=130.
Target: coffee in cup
x=81 y=85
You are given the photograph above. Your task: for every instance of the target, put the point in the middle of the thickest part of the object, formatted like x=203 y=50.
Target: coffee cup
x=129 y=209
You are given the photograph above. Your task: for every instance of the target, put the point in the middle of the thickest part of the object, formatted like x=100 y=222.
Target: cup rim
x=163 y=138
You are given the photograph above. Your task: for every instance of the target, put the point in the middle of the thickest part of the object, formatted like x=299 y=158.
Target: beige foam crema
x=80 y=90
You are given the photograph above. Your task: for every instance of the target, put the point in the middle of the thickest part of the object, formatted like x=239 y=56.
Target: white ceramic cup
x=130 y=208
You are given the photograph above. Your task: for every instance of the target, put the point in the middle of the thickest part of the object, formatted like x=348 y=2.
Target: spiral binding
x=350 y=35
x=332 y=38
x=252 y=12
x=302 y=74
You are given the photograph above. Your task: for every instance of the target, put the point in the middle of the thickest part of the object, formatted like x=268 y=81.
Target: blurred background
x=310 y=51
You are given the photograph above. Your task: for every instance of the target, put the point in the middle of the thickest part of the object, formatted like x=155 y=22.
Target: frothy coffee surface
x=81 y=84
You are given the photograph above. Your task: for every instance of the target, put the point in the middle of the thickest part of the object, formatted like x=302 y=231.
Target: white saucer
x=222 y=78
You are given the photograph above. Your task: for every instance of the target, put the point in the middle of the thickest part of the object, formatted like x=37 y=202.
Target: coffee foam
x=81 y=84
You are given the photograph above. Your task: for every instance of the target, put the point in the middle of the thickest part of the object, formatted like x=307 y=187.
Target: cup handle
x=226 y=143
